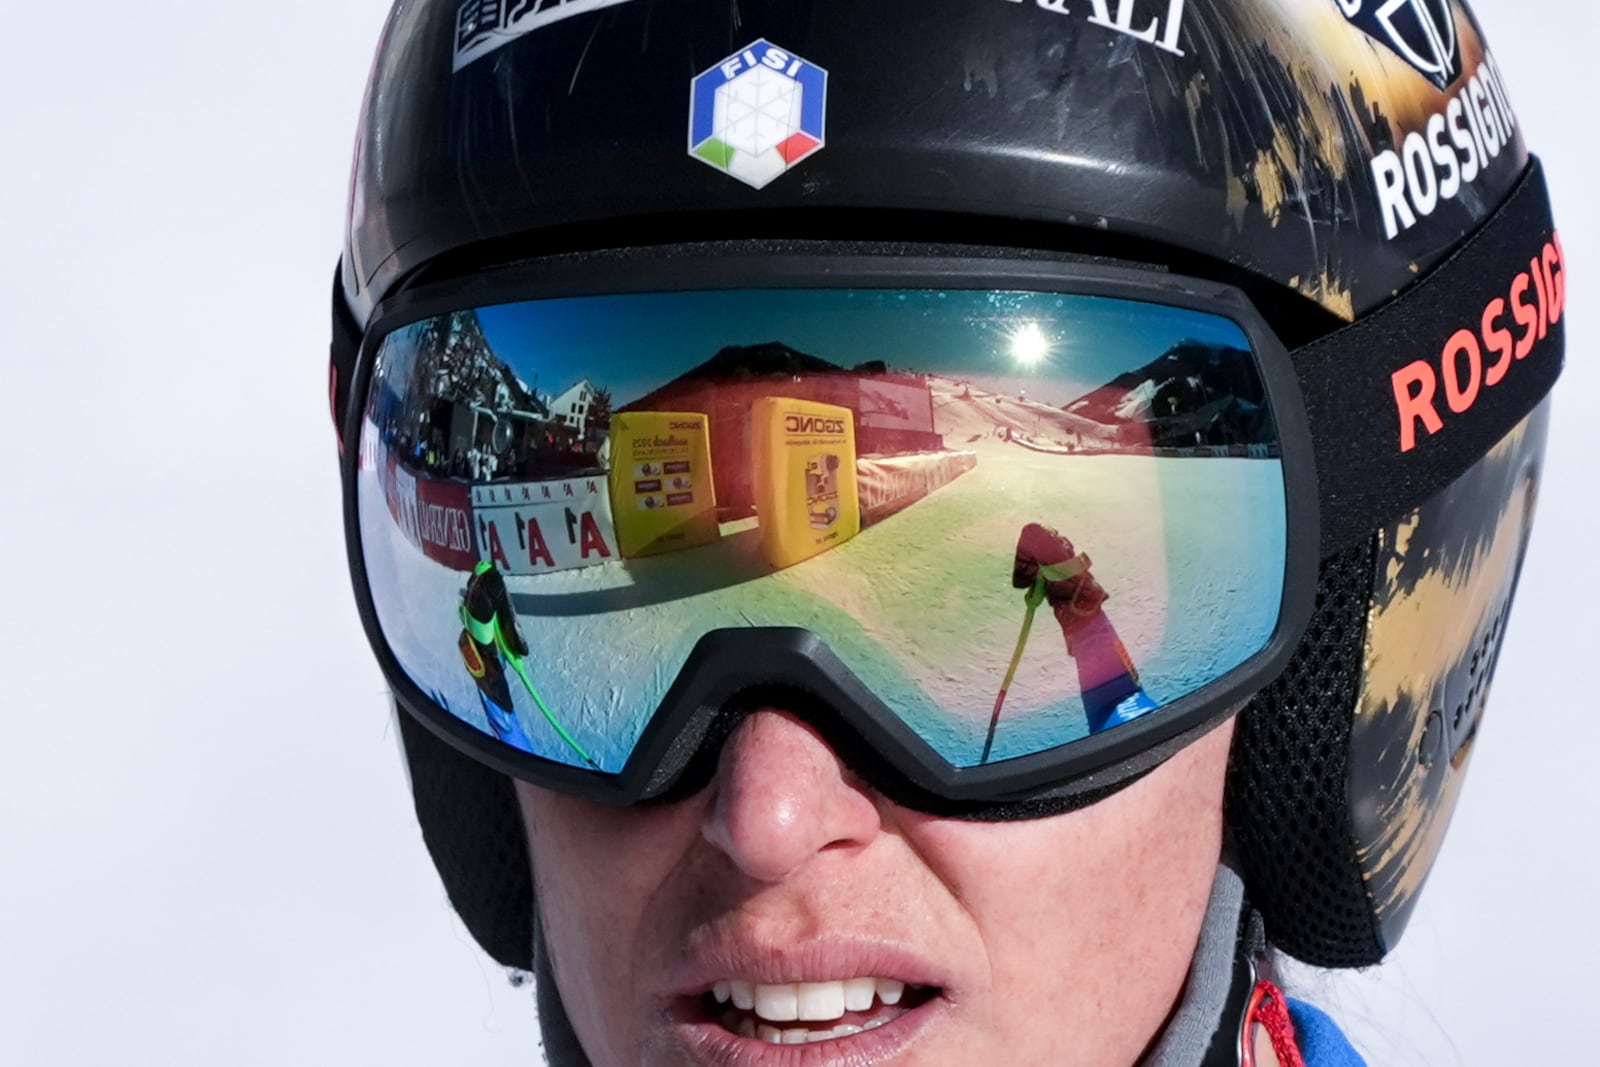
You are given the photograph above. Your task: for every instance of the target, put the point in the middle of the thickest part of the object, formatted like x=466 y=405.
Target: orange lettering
x=1561 y=258
x=1417 y=384
x=1415 y=405
x=1458 y=397
x=1498 y=338
x=1555 y=282
x=1527 y=316
x=1542 y=291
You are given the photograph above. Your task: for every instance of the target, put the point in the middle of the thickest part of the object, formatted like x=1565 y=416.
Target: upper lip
x=828 y=959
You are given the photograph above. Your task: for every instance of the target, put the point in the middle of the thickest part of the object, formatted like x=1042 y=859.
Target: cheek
x=1091 y=918
x=604 y=903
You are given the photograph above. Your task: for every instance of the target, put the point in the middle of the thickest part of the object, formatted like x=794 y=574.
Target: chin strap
x=1228 y=1046
x=1255 y=1028
x=1229 y=1016
x=1266 y=1034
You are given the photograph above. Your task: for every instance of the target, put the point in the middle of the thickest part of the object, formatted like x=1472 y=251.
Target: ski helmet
x=1356 y=172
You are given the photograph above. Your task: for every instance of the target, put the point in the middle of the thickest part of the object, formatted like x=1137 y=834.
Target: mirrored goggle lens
x=1019 y=518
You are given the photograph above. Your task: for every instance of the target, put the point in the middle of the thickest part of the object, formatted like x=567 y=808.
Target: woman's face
x=1064 y=940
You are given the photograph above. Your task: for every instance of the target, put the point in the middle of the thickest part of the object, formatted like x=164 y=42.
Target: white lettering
x=1479 y=100
x=1450 y=185
x=1123 y=23
x=1437 y=164
x=484 y=25
x=1163 y=34
x=1174 y=26
x=1390 y=176
x=1124 y=20
x=1420 y=180
x=1497 y=85
x=445 y=527
x=1462 y=136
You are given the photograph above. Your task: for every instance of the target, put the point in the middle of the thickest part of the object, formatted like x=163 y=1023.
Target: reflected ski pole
x=1032 y=598
x=522 y=672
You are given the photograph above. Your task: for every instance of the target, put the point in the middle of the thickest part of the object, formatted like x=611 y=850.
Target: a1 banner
x=890 y=484
x=543 y=527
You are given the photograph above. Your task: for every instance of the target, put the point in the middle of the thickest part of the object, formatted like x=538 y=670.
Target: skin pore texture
x=1064 y=940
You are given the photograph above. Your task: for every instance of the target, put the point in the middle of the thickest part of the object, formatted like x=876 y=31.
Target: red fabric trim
x=1269 y=1009
x=471 y=656
x=333 y=405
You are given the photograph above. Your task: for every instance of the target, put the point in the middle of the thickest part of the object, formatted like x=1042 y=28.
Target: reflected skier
x=1053 y=572
x=1047 y=566
x=488 y=625
x=490 y=642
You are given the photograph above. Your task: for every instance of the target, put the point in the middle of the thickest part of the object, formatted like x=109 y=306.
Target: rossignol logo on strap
x=1480 y=355
x=484 y=25
x=1421 y=32
x=1483 y=332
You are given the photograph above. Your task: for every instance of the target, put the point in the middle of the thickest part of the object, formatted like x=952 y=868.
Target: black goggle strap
x=342 y=353
x=1404 y=401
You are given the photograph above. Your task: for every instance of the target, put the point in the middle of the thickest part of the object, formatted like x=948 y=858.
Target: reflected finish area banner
x=661 y=481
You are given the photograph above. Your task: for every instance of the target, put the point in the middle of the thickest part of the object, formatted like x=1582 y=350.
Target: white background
x=206 y=852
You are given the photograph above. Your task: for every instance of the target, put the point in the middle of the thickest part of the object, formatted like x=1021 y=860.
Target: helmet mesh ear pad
x=472 y=826
x=1288 y=800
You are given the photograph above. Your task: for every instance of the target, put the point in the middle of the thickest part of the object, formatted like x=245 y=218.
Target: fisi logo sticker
x=758 y=113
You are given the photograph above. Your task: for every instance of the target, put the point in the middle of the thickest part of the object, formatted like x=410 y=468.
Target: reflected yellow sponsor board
x=662 y=495
x=804 y=456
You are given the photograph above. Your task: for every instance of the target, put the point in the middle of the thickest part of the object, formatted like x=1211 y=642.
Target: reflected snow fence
x=558 y=498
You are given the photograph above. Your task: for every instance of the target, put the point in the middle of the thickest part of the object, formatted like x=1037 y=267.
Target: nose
x=781 y=796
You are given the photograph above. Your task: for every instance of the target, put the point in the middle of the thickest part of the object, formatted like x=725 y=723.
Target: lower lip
x=710 y=1043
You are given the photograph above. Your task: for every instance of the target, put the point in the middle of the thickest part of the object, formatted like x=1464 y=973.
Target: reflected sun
x=1029 y=345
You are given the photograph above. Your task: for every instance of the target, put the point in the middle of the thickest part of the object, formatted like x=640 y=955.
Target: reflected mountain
x=1192 y=394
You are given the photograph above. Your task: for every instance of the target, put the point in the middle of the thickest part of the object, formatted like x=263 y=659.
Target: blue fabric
x=1322 y=1043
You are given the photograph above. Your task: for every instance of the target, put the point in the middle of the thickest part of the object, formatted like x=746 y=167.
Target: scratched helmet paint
x=1323 y=157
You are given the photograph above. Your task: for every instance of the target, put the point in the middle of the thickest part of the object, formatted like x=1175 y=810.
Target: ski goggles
x=994 y=526
x=1000 y=529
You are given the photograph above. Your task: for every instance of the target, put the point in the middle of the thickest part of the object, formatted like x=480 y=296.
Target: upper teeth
x=809 y=1001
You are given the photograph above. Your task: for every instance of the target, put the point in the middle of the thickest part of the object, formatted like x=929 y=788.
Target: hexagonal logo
x=758 y=113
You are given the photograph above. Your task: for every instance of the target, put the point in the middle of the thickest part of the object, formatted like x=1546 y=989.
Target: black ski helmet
x=1324 y=157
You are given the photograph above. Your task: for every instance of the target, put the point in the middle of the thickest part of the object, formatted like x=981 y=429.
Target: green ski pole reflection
x=518 y=665
x=1032 y=598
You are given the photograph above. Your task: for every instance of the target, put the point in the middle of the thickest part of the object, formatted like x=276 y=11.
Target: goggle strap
x=342 y=353
x=1404 y=401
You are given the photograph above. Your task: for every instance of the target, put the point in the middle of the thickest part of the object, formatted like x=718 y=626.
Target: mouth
x=804 y=1013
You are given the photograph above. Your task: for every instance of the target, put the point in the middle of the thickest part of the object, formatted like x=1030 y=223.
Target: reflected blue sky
x=635 y=342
